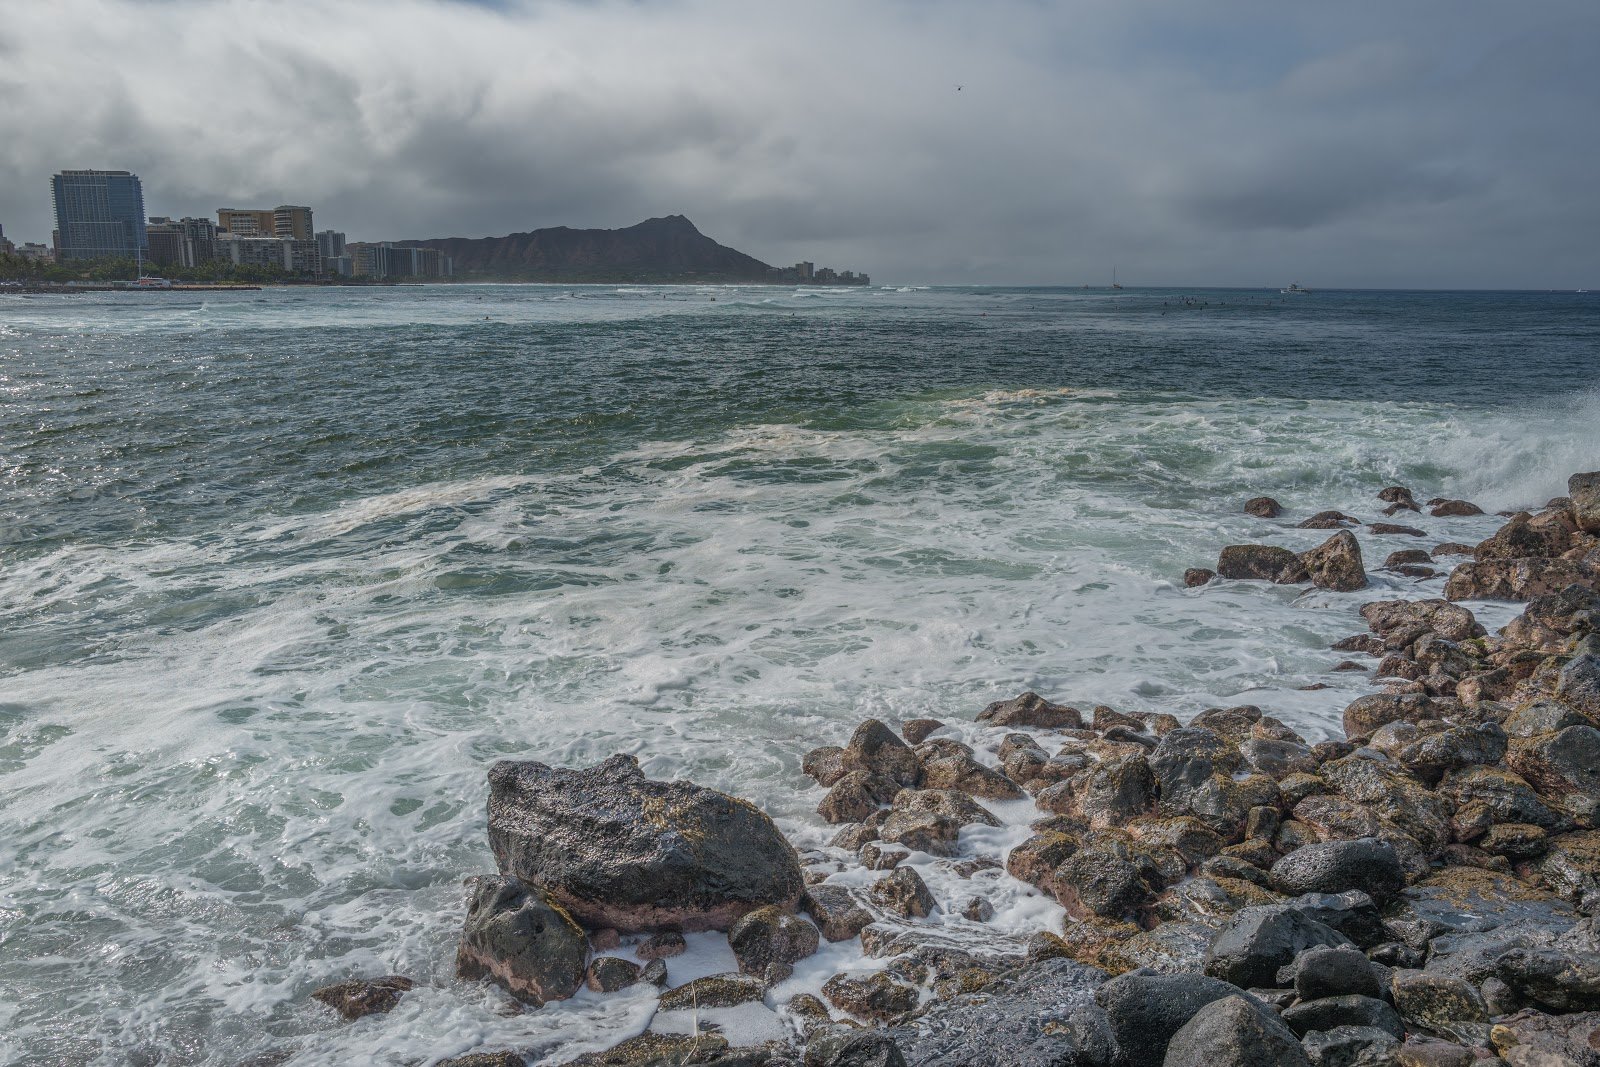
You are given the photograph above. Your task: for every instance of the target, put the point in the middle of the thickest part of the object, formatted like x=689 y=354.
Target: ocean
x=283 y=572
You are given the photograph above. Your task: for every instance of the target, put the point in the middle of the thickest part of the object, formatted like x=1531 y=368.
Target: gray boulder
x=1331 y=972
x=619 y=850
x=853 y=1048
x=1351 y=1046
x=1367 y=865
x=1145 y=1010
x=1235 y=1032
x=1328 y=1012
x=517 y=937
x=1258 y=941
x=1266 y=563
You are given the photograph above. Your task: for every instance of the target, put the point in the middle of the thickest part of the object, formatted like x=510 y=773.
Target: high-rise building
x=297 y=257
x=292 y=222
x=164 y=242
x=386 y=259
x=331 y=244
x=244 y=222
x=99 y=213
x=6 y=247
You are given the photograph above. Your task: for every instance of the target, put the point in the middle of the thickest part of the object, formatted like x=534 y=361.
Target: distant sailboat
x=1114 y=283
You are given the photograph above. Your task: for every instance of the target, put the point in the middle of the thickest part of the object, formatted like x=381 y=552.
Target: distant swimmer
x=959 y=88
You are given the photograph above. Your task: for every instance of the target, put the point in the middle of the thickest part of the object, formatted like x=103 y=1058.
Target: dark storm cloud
x=1442 y=142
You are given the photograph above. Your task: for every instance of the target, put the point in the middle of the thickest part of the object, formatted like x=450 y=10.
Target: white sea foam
x=277 y=781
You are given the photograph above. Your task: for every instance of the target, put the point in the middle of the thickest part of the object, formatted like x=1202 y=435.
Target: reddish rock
x=374 y=996
x=1584 y=492
x=1030 y=709
x=1329 y=520
x=1518 y=579
x=1195 y=577
x=1263 y=507
x=1336 y=563
x=1447 y=508
x=1267 y=563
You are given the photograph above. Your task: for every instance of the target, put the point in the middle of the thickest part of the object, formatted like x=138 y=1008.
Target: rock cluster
x=1424 y=891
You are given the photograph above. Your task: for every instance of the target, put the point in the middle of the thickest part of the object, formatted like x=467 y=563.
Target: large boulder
x=1235 y=1032
x=1367 y=865
x=621 y=851
x=1031 y=709
x=518 y=937
x=1518 y=579
x=1336 y=564
x=1258 y=941
x=768 y=942
x=1266 y=563
x=1400 y=622
x=1565 y=769
x=1145 y=1010
x=1578 y=686
x=1584 y=492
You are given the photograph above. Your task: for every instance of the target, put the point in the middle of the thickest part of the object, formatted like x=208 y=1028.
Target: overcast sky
x=1435 y=143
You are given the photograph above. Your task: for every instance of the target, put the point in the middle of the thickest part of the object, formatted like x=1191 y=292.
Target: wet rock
x=520 y=938
x=364 y=996
x=1421 y=1051
x=1406 y=556
x=714 y=991
x=1030 y=709
x=618 y=850
x=768 y=942
x=1234 y=1032
x=1448 y=508
x=1209 y=901
x=1518 y=579
x=875 y=996
x=1185 y=760
x=961 y=772
x=1328 y=520
x=661 y=946
x=1195 y=577
x=977 y=909
x=1263 y=507
x=1394 y=529
x=1367 y=865
x=1039 y=1015
x=1188 y=837
x=1571 y=867
x=1146 y=1010
x=496 y=1058
x=655 y=972
x=607 y=974
x=875 y=750
x=1266 y=563
x=916 y=731
x=1579 y=685
x=1329 y=1012
x=665 y=1050
x=837 y=912
x=824 y=765
x=1036 y=859
x=1524 y=536
x=1401 y=622
x=1515 y=841
x=930 y=820
x=1430 y=756
x=1467 y=900
x=1387 y=791
x=1350 y=1046
x=881 y=856
x=1502 y=796
x=1106 y=879
x=1554 y=979
x=1564 y=768
x=856 y=796
x=1351 y=914
x=853 y=1048
x=1433 y=1001
x=1257 y=942
x=1584 y=492
x=853 y=835
x=905 y=893
x=1113 y=791
x=1331 y=972
x=1549 y=623
x=1533 y=1039
x=1363 y=716
x=1395 y=494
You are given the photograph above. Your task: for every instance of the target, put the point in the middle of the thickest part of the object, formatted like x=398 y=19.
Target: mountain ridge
x=666 y=248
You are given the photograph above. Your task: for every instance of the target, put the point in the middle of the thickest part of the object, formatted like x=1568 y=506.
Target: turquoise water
x=282 y=572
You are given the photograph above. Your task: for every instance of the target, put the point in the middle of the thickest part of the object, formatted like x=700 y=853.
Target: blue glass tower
x=99 y=213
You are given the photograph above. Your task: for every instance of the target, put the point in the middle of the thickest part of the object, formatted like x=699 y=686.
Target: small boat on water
x=1296 y=288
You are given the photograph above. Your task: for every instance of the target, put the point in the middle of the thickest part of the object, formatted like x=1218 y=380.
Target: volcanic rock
x=364 y=996
x=1258 y=941
x=519 y=937
x=1367 y=865
x=1030 y=709
x=1447 y=508
x=1145 y=1010
x=1234 y=1032
x=1266 y=563
x=1329 y=1012
x=1584 y=492
x=768 y=942
x=618 y=850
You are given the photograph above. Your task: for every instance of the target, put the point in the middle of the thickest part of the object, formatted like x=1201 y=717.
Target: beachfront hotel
x=99 y=214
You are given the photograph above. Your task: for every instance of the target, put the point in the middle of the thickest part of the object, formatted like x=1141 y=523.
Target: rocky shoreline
x=1425 y=891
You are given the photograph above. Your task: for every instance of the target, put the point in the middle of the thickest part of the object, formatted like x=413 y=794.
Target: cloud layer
x=1439 y=143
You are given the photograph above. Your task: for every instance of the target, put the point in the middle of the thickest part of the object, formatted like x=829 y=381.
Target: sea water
x=283 y=572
